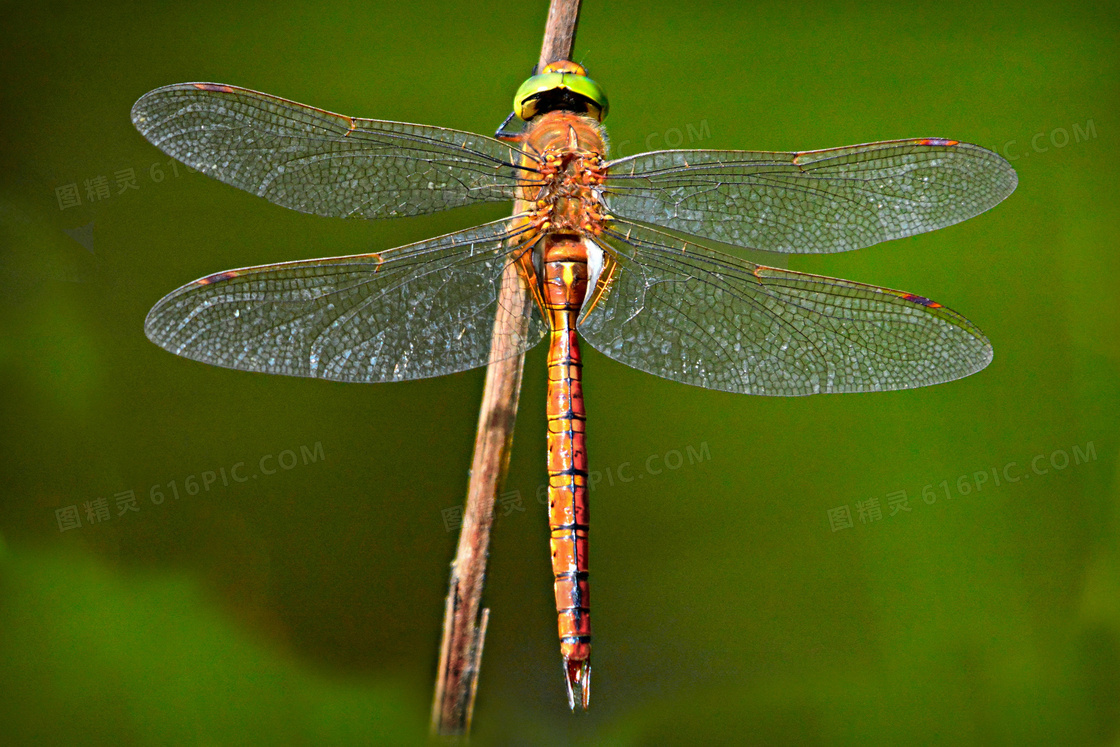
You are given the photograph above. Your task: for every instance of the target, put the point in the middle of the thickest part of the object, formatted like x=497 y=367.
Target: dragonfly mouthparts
x=578 y=673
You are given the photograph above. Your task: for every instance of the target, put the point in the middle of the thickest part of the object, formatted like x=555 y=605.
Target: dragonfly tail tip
x=578 y=674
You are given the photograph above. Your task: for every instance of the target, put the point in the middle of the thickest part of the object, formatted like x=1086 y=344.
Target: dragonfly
x=613 y=251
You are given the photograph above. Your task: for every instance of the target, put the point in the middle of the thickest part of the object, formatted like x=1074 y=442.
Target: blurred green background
x=304 y=605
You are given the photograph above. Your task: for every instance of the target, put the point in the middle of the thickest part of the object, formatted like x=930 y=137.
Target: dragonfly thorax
x=567 y=195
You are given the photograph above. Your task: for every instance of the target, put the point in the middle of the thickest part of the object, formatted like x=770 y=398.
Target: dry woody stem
x=464 y=625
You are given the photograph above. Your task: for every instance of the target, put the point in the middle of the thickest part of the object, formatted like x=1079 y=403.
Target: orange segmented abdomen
x=564 y=288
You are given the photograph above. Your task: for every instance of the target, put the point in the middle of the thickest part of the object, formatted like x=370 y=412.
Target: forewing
x=317 y=162
x=687 y=313
x=425 y=309
x=811 y=202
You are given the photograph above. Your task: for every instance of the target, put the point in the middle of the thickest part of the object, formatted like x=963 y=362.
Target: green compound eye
x=562 y=86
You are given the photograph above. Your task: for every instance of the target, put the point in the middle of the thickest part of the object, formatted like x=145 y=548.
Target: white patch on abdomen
x=594 y=268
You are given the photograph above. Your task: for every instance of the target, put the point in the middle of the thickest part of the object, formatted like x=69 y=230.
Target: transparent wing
x=812 y=202
x=425 y=309
x=317 y=162
x=687 y=313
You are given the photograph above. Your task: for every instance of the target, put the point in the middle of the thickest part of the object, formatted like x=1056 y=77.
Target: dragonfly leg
x=501 y=133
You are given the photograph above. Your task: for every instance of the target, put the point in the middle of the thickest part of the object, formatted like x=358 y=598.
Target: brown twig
x=464 y=624
x=559 y=31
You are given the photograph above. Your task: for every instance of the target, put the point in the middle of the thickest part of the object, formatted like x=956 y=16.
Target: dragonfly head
x=562 y=86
